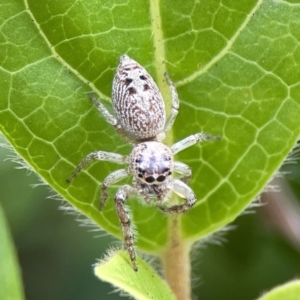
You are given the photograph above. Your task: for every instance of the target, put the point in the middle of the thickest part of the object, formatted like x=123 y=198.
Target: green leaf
x=236 y=66
x=10 y=278
x=144 y=284
x=288 y=291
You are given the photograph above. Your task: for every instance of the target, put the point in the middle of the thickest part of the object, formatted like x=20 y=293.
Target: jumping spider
x=140 y=118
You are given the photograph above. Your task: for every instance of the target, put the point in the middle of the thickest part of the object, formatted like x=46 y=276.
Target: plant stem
x=176 y=262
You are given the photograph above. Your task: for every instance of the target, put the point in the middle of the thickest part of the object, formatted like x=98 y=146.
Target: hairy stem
x=176 y=262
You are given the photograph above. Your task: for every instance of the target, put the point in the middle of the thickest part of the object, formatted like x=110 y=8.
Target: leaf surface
x=236 y=67
x=288 y=291
x=144 y=284
x=10 y=277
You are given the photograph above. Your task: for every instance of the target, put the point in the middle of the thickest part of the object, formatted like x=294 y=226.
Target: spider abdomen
x=137 y=102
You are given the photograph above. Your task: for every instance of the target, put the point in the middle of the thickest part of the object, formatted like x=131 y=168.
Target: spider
x=140 y=118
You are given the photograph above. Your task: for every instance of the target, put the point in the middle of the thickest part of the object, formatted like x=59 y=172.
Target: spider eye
x=142 y=171
x=161 y=178
x=150 y=179
x=167 y=158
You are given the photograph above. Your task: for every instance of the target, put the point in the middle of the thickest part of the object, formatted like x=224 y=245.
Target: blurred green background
x=56 y=254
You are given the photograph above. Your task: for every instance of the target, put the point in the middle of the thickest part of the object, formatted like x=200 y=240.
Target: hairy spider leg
x=192 y=140
x=98 y=155
x=105 y=113
x=122 y=195
x=179 y=186
x=175 y=104
x=185 y=192
x=184 y=170
x=111 y=179
x=109 y=118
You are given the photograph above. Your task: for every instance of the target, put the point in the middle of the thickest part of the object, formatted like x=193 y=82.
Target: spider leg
x=185 y=192
x=98 y=155
x=192 y=140
x=108 y=181
x=143 y=190
x=175 y=104
x=109 y=118
x=184 y=170
x=106 y=114
x=122 y=195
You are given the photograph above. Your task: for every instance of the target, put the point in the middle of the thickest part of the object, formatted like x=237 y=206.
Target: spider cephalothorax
x=151 y=162
x=141 y=119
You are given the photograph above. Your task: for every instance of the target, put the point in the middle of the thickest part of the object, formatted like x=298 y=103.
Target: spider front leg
x=109 y=118
x=98 y=155
x=192 y=140
x=106 y=114
x=185 y=192
x=184 y=170
x=108 y=181
x=122 y=195
x=175 y=104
